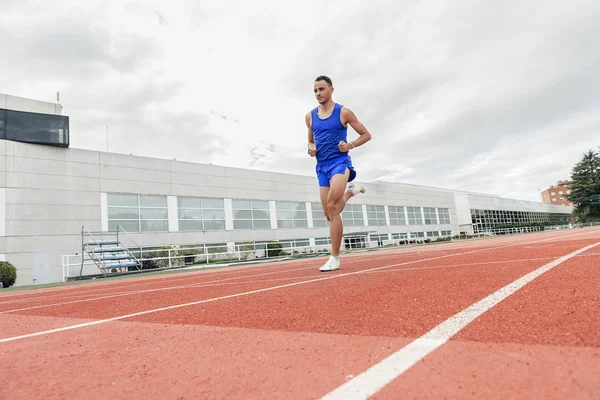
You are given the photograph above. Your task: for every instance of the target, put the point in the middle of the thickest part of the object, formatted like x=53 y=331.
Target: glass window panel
x=189 y=225
x=129 y=226
x=302 y=243
x=262 y=224
x=214 y=225
x=189 y=202
x=213 y=203
x=153 y=201
x=284 y=223
x=40 y=128
x=189 y=214
x=154 y=226
x=154 y=213
x=283 y=206
x=284 y=215
x=301 y=223
x=258 y=214
x=300 y=206
x=318 y=223
x=242 y=214
x=260 y=204
x=213 y=214
x=300 y=215
x=242 y=224
x=240 y=204
x=122 y=200
x=123 y=213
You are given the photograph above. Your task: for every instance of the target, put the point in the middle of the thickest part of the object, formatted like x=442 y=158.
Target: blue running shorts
x=326 y=170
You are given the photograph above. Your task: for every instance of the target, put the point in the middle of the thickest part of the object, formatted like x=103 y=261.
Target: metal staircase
x=108 y=253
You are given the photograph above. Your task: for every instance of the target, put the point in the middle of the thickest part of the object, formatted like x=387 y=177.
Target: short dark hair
x=324 y=78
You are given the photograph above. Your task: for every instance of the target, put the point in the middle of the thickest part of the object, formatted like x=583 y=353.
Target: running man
x=327 y=141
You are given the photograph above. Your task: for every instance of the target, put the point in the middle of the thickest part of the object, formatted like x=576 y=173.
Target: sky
x=497 y=97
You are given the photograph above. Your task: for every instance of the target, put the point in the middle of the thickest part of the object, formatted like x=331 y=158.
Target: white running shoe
x=355 y=189
x=331 y=265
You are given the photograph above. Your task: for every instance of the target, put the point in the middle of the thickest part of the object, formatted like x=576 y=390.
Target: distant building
x=557 y=194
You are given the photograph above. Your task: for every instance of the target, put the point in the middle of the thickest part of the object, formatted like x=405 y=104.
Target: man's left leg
x=336 y=201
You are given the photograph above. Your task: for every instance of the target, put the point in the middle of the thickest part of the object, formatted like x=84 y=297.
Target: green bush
x=8 y=274
x=273 y=249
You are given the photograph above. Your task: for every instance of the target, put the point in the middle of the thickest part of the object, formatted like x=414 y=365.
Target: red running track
x=287 y=331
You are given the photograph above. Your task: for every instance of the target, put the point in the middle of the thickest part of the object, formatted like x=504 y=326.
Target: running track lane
x=310 y=365
x=116 y=306
x=542 y=342
x=135 y=285
x=144 y=282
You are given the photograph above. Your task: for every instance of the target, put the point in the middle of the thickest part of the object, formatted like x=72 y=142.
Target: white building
x=49 y=192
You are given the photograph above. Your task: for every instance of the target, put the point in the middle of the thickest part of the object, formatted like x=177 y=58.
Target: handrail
x=134 y=242
x=94 y=258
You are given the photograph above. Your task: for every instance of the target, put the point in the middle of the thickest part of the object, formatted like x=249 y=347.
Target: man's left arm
x=347 y=116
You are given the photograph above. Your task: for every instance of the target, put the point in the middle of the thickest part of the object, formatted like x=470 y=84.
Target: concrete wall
x=16 y=103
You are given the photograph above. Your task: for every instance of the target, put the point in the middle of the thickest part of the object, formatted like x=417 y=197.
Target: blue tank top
x=328 y=133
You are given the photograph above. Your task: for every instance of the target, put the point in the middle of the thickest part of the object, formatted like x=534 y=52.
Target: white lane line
x=143 y=291
x=223 y=282
x=83 y=325
x=378 y=376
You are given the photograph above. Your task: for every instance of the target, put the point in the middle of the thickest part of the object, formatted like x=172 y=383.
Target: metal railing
x=158 y=258
x=572 y=226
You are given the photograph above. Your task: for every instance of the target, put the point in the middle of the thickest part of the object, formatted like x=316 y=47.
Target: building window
x=396 y=215
x=414 y=215
x=251 y=214
x=201 y=214
x=291 y=215
x=378 y=238
x=29 y=127
x=399 y=236
x=319 y=220
x=353 y=215
x=446 y=233
x=376 y=215
x=444 y=215
x=485 y=220
x=430 y=218
x=433 y=234
x=138 y=213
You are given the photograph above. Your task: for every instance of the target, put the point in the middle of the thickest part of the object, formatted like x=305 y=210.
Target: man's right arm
x=312 y=150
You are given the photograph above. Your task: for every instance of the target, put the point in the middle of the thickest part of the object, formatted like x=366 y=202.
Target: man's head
x=323 y=89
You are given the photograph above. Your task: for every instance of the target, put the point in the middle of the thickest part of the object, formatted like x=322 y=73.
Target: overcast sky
x=499 y=97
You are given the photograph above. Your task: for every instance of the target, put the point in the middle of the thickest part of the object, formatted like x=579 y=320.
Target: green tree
x=585 y=186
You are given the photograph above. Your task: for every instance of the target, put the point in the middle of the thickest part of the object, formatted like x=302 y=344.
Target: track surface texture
x=509 y=317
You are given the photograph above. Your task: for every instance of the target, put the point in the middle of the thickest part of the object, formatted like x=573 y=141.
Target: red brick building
x=557 y=194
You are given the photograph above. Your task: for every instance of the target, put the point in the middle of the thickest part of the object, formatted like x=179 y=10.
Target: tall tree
x=585 y=185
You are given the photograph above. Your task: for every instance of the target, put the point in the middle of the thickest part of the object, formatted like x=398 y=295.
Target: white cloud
x=499 y=98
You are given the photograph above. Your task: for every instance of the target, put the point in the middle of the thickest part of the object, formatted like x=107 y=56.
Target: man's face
x=322 y=91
